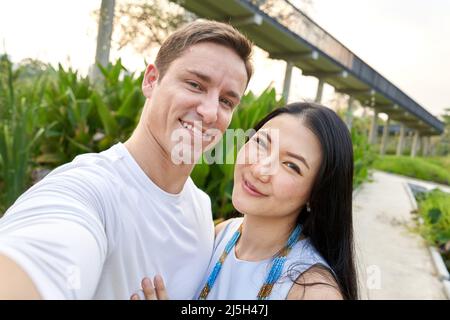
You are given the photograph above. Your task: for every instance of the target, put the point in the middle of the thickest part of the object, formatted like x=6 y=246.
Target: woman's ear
x=150 y=78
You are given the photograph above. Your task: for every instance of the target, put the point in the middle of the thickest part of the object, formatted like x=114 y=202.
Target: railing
x=296 y=21
x=292 y=18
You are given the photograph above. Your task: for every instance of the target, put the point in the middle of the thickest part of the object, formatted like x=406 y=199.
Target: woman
x=293 y=185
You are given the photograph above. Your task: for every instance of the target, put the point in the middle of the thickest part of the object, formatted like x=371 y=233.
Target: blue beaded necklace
x=275 y=271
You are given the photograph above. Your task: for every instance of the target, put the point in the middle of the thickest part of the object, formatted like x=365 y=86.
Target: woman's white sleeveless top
x=242 y=280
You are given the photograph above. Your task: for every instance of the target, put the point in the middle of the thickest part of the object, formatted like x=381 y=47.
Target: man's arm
x=14 y=282
x=52 y=240
x=58 y=256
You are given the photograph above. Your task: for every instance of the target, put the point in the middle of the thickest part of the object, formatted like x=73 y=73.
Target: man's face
x=196 y=97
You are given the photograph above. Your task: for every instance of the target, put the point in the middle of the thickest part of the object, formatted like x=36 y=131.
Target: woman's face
x=276 y=168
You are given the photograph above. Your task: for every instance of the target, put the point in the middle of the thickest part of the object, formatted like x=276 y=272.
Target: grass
x=429 y=169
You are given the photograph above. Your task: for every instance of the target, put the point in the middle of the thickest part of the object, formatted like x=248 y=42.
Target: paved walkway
x=392 y=261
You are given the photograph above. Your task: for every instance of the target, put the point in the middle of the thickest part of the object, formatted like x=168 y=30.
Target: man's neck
x=263 y=237
x=155 y=161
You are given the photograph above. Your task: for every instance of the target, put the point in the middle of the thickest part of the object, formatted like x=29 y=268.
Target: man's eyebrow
x=200 y=75
x=299 y=157
x=233 y=94
x=208 y=80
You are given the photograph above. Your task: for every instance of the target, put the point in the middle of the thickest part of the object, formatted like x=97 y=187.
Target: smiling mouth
x=251 y=189
x=195 y=131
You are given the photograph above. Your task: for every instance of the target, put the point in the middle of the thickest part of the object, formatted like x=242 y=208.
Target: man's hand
x=15 y=284
x=157 y=292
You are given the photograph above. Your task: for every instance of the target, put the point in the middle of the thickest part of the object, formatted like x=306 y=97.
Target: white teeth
x=206 y=136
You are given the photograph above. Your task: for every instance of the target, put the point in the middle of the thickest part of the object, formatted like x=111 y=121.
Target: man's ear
x=150 y=79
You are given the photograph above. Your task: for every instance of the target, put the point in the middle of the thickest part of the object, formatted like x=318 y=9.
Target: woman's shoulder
x=232 y=223
x=305 y=251
x=224 y=231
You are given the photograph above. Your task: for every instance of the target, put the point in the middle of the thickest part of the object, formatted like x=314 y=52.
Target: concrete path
x=392 y=261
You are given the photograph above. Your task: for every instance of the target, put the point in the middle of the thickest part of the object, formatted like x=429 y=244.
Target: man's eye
x=227 y=102
x=194 y=85
x=294 y=167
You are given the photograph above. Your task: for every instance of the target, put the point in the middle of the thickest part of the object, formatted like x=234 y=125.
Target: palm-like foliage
x=49 y=115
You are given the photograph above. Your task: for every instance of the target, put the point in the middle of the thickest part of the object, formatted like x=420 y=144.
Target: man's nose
x=209 y=109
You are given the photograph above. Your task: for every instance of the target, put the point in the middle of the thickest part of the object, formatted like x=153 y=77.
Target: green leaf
x=199 y=174
x=434 y=214
x=109 y=123
x=130 y=107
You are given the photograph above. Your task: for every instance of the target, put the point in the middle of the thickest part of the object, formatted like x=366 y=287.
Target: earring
x=308 y=208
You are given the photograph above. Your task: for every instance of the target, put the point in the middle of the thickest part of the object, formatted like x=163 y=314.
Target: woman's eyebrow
x=299 y=157
x=293 y=155
x=267 y=136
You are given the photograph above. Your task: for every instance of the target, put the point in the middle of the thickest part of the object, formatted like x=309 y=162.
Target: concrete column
x=401 y=140
x=349 y=114
x=373 y=129
x=424 y=145
x=430 y=147
x=287 y=80
x=415 y=144
x=105 y=29
x=385 y=137
x=319 y=91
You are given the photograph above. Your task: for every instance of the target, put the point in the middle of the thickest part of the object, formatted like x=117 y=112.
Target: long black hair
x=329 y=224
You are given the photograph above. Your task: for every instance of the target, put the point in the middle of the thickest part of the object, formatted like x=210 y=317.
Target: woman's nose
x=262 y=170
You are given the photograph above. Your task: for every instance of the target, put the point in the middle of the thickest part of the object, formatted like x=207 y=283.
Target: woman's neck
x=263 y=237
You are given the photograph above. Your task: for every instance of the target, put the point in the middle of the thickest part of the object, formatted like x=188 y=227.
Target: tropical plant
x=363 y=156
x=19 y=132
x=83 y=118
x=48 y=116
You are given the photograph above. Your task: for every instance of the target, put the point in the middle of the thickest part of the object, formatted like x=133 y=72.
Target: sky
x=407 y=41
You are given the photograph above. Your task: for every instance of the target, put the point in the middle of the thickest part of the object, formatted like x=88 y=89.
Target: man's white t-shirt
x=93 y=228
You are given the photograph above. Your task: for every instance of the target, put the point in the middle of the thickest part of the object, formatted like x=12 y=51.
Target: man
x=93 y=228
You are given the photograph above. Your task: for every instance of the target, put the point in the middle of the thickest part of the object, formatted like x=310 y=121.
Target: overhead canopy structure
x=288 y=34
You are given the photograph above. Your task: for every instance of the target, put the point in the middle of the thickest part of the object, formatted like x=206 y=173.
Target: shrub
x=434 y=209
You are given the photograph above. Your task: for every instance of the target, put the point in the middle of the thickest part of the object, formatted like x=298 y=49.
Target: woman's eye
x=260 y=142
x=294 y=167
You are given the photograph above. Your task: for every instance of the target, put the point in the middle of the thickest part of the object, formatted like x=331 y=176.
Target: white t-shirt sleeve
x=54 y=233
